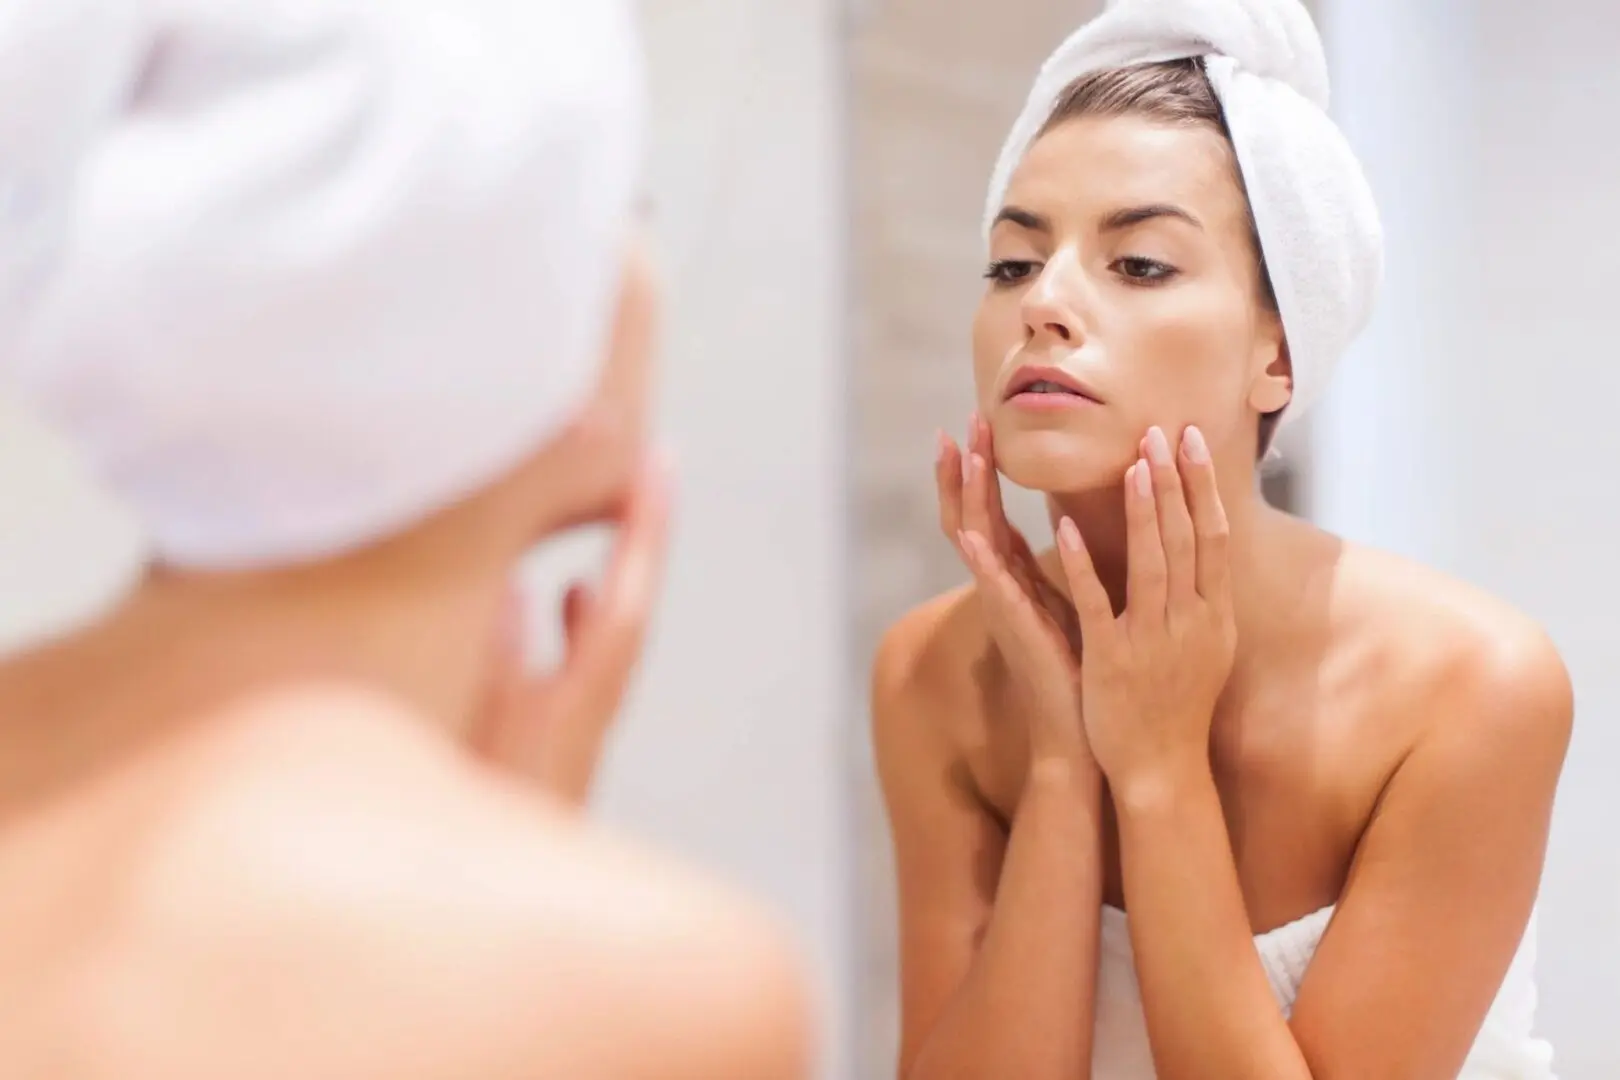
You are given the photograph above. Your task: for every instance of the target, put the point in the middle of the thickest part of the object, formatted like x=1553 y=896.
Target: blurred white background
x=1473 y=427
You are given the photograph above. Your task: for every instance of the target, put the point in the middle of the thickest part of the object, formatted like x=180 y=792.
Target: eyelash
x=1006 y=273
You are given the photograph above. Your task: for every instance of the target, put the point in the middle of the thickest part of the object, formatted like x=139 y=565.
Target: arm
x=998 y=935
x=1446 y=872
x=1438 y=899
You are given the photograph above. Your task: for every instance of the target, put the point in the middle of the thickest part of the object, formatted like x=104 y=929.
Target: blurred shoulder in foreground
x=318 y=885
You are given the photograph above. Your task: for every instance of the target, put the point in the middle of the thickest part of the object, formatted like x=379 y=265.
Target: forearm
x=1211 y=1014
x=1025 y=1009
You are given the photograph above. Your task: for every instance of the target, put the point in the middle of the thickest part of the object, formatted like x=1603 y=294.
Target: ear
x=1273 y=384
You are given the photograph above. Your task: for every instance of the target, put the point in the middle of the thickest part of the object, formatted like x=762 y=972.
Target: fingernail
x=1192 y=441
x=1144 y=480
x=1068 y=535
x=970 y=546
x=944 y=441
x=1158 y=447
x=978 y=467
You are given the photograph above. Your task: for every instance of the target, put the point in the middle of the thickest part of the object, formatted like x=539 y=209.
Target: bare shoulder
x=340 y=892
x=925 y=674
x=1472 y=669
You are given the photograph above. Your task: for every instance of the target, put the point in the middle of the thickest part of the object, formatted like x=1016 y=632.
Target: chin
x=1061 y=462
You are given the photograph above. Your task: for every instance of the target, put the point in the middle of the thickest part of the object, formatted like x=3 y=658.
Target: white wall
x=736 y=747
x=1474 y=426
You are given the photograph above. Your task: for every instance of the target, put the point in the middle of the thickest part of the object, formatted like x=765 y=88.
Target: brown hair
x=1169 y=92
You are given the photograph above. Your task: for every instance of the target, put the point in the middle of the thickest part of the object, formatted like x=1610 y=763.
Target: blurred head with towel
x=346 y=305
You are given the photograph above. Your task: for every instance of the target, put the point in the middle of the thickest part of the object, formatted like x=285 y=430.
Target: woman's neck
x=1258 y=536
x=184 y=647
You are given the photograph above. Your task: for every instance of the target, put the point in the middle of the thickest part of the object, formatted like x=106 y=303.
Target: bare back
x=319 y=885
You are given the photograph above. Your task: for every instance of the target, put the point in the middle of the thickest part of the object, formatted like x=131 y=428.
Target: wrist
x=1068 y=775
x=1162 y=786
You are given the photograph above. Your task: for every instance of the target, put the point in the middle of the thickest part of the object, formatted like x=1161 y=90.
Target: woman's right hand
x=1031 y=622
x=550 y=727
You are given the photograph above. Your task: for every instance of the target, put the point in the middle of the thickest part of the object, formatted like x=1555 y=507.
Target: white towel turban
x=1317 y=222
x=294 y=274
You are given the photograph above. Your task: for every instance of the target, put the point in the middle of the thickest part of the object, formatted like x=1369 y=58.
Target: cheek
x=627 y=371
x=998 y=329
x=1194 y=355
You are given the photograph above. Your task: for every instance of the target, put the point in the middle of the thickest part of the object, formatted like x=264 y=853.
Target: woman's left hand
x=1152 y=675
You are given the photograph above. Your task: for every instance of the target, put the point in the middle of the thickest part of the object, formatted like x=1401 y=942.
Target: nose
x=1051 y=305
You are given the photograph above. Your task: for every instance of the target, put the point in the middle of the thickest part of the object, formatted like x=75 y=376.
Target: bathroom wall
x=1474 y=426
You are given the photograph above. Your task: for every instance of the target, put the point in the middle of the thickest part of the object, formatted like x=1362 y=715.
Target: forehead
x=1095 y=165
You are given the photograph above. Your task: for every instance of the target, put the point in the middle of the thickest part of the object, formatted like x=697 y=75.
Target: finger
x=1001 y=529
x=1092 y=607
x=576 y=607
x=948 y=478
x=977 y=517
x=505 y=682
x=975 y=503
x=1017 y=627
x=1009 y=543
x=610 y=633
x=1145 y=570
x=1208 y=518
x=1175 y=524
x=607 y=642
x=1023 y=565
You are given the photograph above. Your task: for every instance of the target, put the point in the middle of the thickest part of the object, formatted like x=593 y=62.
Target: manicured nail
x=1068 y=535
x=944 y=444
x=1197 y=450
x=970 y=544
x=978 y=467
x=1144 y=479
x=1158 y=447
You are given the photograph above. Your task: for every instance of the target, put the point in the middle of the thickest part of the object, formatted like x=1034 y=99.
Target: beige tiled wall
x=933 y=87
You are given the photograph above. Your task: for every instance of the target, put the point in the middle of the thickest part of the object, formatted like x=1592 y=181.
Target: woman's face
x=588 y=469
x=628 y=367
x=1122 y=268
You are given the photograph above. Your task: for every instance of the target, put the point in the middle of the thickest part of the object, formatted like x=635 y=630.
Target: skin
x=1196 y=708
x=321 y=821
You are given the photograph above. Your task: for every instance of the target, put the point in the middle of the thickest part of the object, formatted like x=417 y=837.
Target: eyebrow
x=1119 y=219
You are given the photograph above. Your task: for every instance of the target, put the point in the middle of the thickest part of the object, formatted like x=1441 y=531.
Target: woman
x=1318 y=778
x=347 y=306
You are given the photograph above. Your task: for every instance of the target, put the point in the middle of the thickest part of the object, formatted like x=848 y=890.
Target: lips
x=1045 y=380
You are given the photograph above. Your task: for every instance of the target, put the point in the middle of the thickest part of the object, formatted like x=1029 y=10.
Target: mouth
x=1048 y=386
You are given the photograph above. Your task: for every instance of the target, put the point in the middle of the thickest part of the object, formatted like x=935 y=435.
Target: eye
x=1140 y=271
x=1009 y=271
